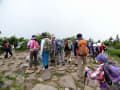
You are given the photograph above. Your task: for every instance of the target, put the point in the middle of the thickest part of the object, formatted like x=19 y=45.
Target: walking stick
x=85 y=76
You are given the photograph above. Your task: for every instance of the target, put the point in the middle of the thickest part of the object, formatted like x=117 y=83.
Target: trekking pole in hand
x=85 y=76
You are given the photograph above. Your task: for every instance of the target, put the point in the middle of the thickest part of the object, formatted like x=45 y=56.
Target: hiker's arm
x=93 y=75
x=42 y=44
x=28 y=45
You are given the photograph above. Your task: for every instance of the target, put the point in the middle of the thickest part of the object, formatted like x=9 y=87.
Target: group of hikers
x=52 y=51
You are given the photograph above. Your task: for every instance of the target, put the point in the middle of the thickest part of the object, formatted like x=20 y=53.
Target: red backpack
x=6 y=45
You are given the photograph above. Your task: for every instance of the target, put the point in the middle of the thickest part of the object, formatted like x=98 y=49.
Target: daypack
x=47 y=45
x=82 y=48
x=112 y=74
x=59 y=44
x=6 y=45
x=35 y=46
x=68 y=44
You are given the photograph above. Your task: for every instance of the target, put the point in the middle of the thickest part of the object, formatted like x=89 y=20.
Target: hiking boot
x=30 y=68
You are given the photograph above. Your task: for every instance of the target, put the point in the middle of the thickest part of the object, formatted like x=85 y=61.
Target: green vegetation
x=114 y=52
x=19 y=44
x=1 y=80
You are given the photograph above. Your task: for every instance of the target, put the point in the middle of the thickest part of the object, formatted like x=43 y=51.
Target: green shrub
x=1 y=80
x=114 y=52
x=117 y=46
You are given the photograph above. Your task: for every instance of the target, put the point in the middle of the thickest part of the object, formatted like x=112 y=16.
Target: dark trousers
x=33 y=58
x=8 y=52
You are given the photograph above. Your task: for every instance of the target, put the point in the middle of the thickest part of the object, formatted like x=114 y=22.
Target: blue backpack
x=59 y=44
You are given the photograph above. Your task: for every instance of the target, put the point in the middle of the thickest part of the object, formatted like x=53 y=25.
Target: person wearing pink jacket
x=34 y=49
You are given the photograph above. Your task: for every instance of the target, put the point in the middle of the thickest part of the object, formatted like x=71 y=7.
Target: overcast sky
x=98 y=19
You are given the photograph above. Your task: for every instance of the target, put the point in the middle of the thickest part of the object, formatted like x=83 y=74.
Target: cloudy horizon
x=97 y=19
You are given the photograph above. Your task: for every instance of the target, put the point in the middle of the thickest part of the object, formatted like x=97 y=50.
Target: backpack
x=6 y=45
x=68 y=44
x=112 y=74
x=47 y=45
x=35 y=46
x=59 y=44
x=82 y=48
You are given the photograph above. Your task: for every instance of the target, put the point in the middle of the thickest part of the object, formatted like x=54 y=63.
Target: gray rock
x=93 y=84
x=46 y=76
x=40 y=79
x=75 y=76
x=31 y=78
x=98 y=88
x=52 y=84
x=29 y=72
x=67 y=82
x=43 y=87
x=67 y=89
x=78 y=89
x=8 y=74
x=62 y=69
x=61 y=72
x=88 y=88
x=7 y=83
x=28 y=86
x=54 y=78
x=24 y=66
x=20 y=79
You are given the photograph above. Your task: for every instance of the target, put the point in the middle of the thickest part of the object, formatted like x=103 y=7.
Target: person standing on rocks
x=8 y=49
x=34 y=49
x=80 y=52
x=59 y=50
x=52 y=53
x=68 y=49
x=45 y=50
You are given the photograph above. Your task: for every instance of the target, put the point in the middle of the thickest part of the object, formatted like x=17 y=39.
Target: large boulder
x=45 y=76
x=32 y=78
x=67 y=82
x=88 y=88
x=43 y=87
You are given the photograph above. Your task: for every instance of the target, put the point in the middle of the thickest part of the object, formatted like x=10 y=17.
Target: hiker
x=8 y=49
x=102 y=48
x=80 y=52
x=91 y=49
x=95 y=52
x=68 y=50
x=45 y=50
x=59 y=50
x=52 y=52
x=99 y=73
x=34 y=49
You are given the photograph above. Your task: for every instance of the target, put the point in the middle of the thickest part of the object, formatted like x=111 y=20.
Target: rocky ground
x=15 y=76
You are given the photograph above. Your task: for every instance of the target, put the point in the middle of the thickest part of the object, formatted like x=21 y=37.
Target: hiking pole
x=85 y=76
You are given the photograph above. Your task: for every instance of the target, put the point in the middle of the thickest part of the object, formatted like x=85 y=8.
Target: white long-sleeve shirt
x=42 y=45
